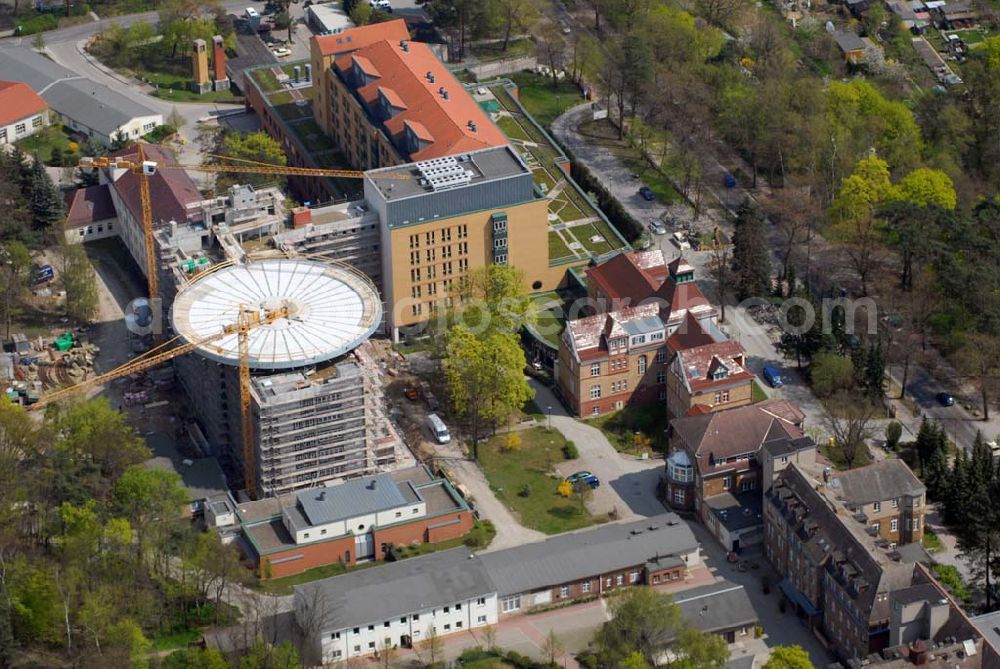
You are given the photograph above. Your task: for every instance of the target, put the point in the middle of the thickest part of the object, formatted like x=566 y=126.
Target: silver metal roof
x=353 y=498
x=334 y=310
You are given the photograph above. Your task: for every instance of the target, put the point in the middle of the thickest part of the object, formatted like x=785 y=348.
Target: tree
x=15 y=266
x=456 y=15
x=553 y=647
x=849 y=421
x=697 y=650
x=47 y=206
x=723 y=13
x=257 y=147
x=512 y=15
x=789 y=657
x=830 y=373
x=387 y=654
x=495 y=297
x=979 y=534
x=582 y=493
x=175 y=119
x=263 y=655
x=151 y=499
x=195 y=658
x=893 y=433
x=361 y=14
x=552 y=47
x=719 y=268
x=875 y=371
x=978 y=360
x=804 y=338
x=854 y=212
x=643 y=621
x=489 y=633
x=923 y=187
x=433 y=645
x=751 y=259
x=80 y=283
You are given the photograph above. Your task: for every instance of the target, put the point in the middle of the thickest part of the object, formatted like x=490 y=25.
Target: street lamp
x=549 y=413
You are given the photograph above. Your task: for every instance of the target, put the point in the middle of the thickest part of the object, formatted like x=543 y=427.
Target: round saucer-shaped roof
x=332 y=309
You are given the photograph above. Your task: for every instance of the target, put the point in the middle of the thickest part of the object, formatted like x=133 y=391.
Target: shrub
x=56 y=159
x=37 y=24
x=512 y=442
x=525 y=490
x=587 y=659
x=73 y=147
x=569 y=451
x=473 y=654
x=830 y=372
x=893 y=433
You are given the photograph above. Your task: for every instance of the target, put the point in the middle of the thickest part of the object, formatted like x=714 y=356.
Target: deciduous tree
x=789 y=657
x=79 y=282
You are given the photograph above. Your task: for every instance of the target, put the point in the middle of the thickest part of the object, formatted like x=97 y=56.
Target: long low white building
x=397 y=604
x=77 y=102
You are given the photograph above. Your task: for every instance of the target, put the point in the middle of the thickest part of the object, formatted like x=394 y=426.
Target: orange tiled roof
x=634 y=276
x=362 y=36
x=438 y=102
x=18 y=101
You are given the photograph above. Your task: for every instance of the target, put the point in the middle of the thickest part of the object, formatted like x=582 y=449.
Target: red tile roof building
x=385 y=100
x=623 y=355
x=22 y=111
x=90 y=214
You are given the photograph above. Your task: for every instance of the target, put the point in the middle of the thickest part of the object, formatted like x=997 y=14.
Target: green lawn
x=621 y=427
x=313 y=138
x=521 y=480
x=42 y=143
x=175 y=640
x=932 y=543
x=541 y=176
x=584 y=234
x=549 y=325
x=566 y=210
x=558 y=248
x=516 y=48
x=178 y=87
x=289 y=109
x=543 y=100
x=512 y=128
x=757 y=393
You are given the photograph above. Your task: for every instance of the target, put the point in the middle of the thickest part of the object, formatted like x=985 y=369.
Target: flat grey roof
x=877 y=482
x=716 y=607
x=485 y=165
x=849 y=41
x=988 y=625
x=357 y=497
x=737 y=513
x=576 y=555
x=83 y=100
x=372 y=596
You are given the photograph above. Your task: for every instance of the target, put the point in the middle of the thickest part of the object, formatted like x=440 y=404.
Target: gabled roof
x=689 y=334
x=634 y=275
x=354 y=498
x=716 y=607
x=589 y=335
x=849 y=41
x=722 y=434
x=361 y=36
x=454 y=121
x=85 y=206
x=18 y=102
x=681 y=298
x=170 y=190
x=877 y=482
x=700 y=362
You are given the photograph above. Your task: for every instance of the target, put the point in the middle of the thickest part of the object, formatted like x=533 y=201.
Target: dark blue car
x=583 y=477
x=647 y=194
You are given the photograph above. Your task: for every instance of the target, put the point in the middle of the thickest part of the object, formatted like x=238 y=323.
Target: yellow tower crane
x=247 y=321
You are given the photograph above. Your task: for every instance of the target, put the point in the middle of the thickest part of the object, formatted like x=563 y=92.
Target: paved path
x=628 y=483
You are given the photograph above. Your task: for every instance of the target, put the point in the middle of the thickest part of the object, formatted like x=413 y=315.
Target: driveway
x=628 y=483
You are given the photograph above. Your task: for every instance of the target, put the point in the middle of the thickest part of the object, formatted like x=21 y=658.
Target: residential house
x=851 y=47
x=849 y=584
x=90 y=214
x=714 y=468
x=890 y=498
x=351 y=522
x=86 y=107
x=708 y=377
x=22 y=112
x=398 y=604
x=958 y=15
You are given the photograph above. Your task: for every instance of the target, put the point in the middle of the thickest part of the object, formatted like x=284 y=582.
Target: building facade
x=889 y=496
x=22 y=112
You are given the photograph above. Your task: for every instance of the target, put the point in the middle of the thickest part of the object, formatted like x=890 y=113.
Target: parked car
x=680 y=239
x=438 y=429
x=945 y=399
x=584 y=477
x=647 y=194
x=728 y=180
x=384 y=5
x=657 y=228
x=411 y=393
x=773 y=377
x=42 y=274
x=282 y=52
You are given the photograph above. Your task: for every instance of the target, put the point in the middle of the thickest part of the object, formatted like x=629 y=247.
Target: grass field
x=44 y=141
x=543 y=100
x=312 y=136
x=522 y=481
x=512 y=129
x=757 y=393
x=178 y=87
x=585 y=234
x=549 y=325
x=621 y=427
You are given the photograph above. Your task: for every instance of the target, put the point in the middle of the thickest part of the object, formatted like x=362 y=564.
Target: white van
x=438 y=429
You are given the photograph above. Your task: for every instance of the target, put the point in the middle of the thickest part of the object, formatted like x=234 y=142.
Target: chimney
x=220 y=78
x=295 y=73
x=444 y=92
x=472 y=126
x=309 y=70
x=321 y=496
x=430 y=76
x=404 y=45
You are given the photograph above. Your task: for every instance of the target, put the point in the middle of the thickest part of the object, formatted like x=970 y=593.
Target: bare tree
x=490 y=636
x=433 y=646
x=553 y=647
x=552 y=46
x=386 y=654
x=719 y=268
x=794 y=213
x=977 y=360
x=849 y=421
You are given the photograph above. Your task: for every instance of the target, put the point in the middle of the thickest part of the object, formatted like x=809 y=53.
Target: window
x=429 y=237
x=727 y=482
x=322 y=531
x=357 y=630
x=717 y=398
x=620 y=579
x=399 y=514
x=335 y=635
x=402 y=621
x=564 y=591
x=357 y=649
x=481 y=601
x=19 y=129
x=481 y=619
x=678 y=496
x=371 y=645
x=414 y=241
x=638 y=339
x=415 y=275
x=661 y=355
x=633 y=577
x=916 y=524
x=595 y=392
x=337 y=654
x=595 y=411
x=876 y=507
x=447 y=626
x=893 y=525
x=656 y=579
x=784 y=459
x=458 y=625
x=3 y=134
x=416 y=616
x=36 y=122
x=458 y=607
x=585 y=587
x=642 y=364
x=661 y=377
x=876 y=526
x=510 y=603
x=447 y=609
x=305 y=535
x=895 y=503
x=747 y=484
x=386 y=623
x=371 y=628
x=681 y=473
x=725 y=395
x=414 y=257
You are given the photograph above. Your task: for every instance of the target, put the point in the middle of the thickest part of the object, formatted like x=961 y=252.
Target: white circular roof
x=332 y=310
